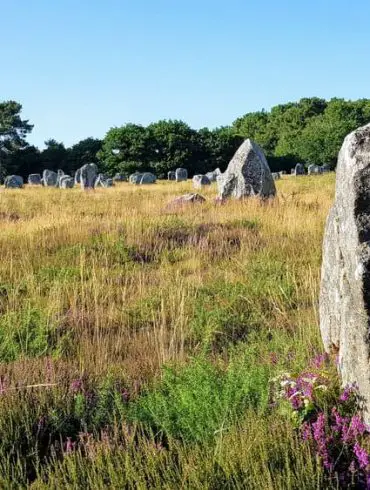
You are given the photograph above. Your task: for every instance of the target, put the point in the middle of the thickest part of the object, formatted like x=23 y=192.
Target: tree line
x=308 y=131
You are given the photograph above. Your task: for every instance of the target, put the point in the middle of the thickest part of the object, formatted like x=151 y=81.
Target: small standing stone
x=66 y=182
x=13 y=182
x=34 y=179
x=200 y=180
x=171 y=175
x=181 y=174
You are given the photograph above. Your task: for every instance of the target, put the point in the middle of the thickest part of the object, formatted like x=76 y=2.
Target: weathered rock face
x=66 y=182
x=247 y=174
x=345 y=273
x=13 y=182
x=171 y=175
x=299 y=169
x=89 y=173
x=49 y=178
x=34 y=179
x=181 y=174
x=200 y=180
x=148 y=178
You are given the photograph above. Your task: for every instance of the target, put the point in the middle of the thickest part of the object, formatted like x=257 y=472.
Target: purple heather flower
x=361 y=455
x=273 y=358
x=320 y=360
x=76 y=386
x=70 y=446
x=125 y=395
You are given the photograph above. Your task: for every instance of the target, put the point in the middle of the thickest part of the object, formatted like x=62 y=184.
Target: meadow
x=137 y=341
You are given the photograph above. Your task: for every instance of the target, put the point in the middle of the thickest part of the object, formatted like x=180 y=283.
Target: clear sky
x=80 y=67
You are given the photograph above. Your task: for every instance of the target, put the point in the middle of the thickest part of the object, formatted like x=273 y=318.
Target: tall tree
x=54 y=156
x=13 y=131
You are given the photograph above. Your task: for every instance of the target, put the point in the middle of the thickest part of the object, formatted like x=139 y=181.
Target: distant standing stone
x=200 y=180
x=299 y=169
x=135 y=178
x=148 y=178
x=13 y=182
x=50 y=178
x=60 y=174
x=314 y=169
x=78 y=176
x=213 y=175
x=88 y=175
x=276 y=175
x=247 y=174
x=67 y=182
x=120 y=178
x=171 y=175
x=181 y=174
x=34 y=179
x=345 y=273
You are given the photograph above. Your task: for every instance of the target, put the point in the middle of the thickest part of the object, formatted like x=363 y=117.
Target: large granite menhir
x=247 y=174
x=345 y=274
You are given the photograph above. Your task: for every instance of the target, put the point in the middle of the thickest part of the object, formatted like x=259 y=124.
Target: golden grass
x=120 y=273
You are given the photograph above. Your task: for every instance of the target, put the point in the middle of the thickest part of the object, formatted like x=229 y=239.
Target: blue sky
x=80 y=67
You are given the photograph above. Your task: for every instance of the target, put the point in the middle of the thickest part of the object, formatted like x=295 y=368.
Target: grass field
x=137 y=343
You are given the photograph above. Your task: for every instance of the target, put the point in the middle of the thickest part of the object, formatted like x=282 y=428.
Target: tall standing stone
x=247 y=174
x=345 y=273
x=60 y=174
x=89 y=174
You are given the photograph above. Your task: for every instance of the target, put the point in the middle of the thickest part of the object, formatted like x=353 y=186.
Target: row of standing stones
x=344 y=304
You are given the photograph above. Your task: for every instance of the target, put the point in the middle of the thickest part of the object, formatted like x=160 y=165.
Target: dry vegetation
x=99 y=292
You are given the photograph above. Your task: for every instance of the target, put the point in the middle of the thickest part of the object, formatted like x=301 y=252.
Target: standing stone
x=325 y=169
x=171 y=175
x=276 y=175
x=13 y=182
x=299 y=169
x=148 y=178
x=89 y=173
x=181 y=174
x=60 y=174
x=103 y=181
x=200 y=180
x=50 y=178
x=78 y=176
x=314 y=170
x=345 y=273
x=34 y=179
x=247 y=174
x=66 y=182
x=213 y=175
x=120 y=178
x=135 y=178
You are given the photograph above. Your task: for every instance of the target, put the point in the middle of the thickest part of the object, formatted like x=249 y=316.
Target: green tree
x=54 y=156
x=85 y=151
x=13 y=131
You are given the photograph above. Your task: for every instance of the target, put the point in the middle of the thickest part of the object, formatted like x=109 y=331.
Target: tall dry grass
x=112 y=283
